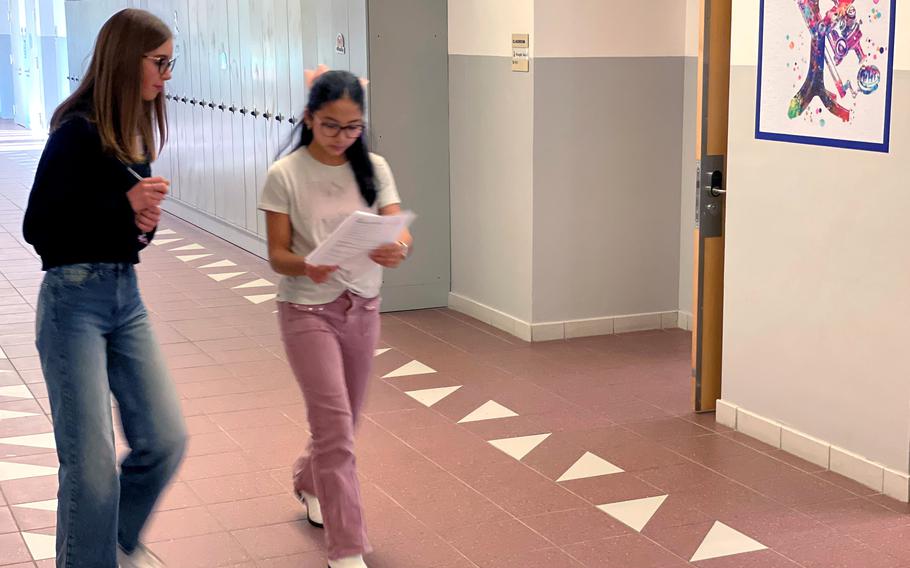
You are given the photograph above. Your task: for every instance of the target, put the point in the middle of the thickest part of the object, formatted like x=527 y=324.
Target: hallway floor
x=477 y=450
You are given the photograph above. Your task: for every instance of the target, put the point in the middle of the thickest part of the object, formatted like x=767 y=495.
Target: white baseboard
x=685 y=321
x=247 y=240
x=571 y=329
x=892 y=483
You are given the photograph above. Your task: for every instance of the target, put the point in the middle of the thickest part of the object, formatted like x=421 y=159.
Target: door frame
x=711 y=149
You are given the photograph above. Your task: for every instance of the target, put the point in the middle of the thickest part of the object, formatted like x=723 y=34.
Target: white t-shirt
x=318 y=197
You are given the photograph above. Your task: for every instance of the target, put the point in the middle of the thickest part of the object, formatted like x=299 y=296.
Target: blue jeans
x=94 y=339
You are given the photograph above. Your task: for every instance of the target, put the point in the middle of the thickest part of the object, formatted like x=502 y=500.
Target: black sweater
x=78 y=211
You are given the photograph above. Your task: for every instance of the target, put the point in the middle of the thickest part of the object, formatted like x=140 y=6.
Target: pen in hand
x=146 y=207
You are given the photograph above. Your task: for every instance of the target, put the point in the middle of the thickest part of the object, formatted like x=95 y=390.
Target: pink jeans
x=330 y=348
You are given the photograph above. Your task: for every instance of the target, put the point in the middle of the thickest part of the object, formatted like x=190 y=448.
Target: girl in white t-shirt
x=330 y=316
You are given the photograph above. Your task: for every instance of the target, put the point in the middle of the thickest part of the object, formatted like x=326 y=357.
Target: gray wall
x=491 y=120
x=690 y=115
x=607 y=155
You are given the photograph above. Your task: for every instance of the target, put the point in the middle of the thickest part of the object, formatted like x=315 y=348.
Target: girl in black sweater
x=92 y=208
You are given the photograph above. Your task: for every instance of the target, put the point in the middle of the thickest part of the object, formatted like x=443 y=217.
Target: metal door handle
x=717 y=192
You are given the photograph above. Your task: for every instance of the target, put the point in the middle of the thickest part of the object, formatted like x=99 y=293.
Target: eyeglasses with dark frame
x=332 y=130
x=162 y=62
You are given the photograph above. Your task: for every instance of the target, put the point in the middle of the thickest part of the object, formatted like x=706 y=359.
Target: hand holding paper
x=359 y=235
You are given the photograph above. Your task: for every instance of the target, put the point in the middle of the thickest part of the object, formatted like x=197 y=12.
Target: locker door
x=175 y=88
x=162 y=165
x=270 y=86
x=297 y=32
x=248 y=36
x=233 y=128
x=325 y=23
x=282 y=76
x=217 y=40
x=197 y=156
x=204 y=95
x=340 y=31
x=358 y=38
x=259 y=45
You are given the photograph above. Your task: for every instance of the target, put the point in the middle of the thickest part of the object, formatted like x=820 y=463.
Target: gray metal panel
x=409 y=113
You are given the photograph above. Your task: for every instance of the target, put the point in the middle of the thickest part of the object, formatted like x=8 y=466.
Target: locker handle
x=202 y=102
x=243 y=111
x=292 y=120
x=255 y=113
x=279 y=118
x=211 y=105
x=232 y=108
x=183 y=100
x=193 y=102
x=221 y=106
x=266 y=115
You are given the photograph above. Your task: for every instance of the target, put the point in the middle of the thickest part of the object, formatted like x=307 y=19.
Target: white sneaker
x=313 y=509
x=349 y=562
x=142 y=557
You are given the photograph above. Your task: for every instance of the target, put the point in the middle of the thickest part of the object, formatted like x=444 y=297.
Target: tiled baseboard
x=892 y=483
x=552 y=331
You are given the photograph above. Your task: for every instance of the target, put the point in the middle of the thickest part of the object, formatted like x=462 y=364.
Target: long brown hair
x=110 y=94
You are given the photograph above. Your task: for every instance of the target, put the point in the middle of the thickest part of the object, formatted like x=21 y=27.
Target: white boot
x=313 y=509
x=349 y=562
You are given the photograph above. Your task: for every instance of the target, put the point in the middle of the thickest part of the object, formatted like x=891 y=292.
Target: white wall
x=817 y=310
x=609 y=28
x=485 y=27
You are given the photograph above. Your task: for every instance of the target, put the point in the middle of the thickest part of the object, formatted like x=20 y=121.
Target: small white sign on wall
x=521 y=48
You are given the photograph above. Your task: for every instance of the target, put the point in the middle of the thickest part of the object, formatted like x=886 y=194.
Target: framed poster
x=824 y=72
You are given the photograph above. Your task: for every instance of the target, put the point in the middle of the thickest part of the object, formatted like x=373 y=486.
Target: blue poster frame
x=883 y=147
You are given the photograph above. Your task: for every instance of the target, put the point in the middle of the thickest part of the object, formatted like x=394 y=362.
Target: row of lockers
x=238 y=87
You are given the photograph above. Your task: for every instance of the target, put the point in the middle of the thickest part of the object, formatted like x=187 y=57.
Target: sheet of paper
x=358 y=235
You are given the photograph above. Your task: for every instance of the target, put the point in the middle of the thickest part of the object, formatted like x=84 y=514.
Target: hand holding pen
x=145 y=198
